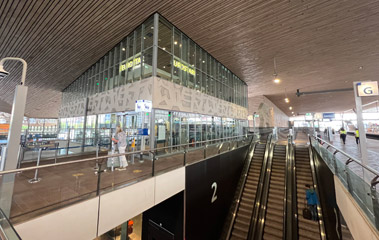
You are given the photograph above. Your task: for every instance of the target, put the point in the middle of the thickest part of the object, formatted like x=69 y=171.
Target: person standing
x=133 y=145
x=357 y=136
x=343 y=135
x=120 y=139
x=312 y=201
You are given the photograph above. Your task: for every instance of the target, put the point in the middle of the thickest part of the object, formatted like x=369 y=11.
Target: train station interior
x=169 y=120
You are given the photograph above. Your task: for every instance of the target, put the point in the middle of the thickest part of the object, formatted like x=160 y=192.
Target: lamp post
x=17 y=117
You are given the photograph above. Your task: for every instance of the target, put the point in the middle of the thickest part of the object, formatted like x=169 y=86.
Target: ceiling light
x=276 y=80
x=360 y=67
x=144 y=37
x=123 y=49
x=164 y=66
x=287 y=100
x=293 y=113
x=203 y=61
x=290 y=108
x=176 y=43
x=164 y=48
x=152 y=27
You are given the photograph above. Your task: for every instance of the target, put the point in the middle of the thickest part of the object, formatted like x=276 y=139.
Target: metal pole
x=56 y=151
x=36 y=179
x=362 y=132
x=155 y=45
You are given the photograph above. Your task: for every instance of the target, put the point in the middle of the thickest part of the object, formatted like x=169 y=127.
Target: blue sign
x=328 y=115
x=143 y=131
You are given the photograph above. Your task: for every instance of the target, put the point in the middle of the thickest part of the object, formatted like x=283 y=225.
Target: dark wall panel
x=330 y=210
x=168 y=214
x=210 y=187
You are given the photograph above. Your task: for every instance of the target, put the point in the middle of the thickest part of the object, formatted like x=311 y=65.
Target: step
x=240 y=234
x=273 y=231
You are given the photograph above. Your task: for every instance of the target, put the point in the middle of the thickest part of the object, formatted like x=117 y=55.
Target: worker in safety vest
x=357 y=136
x=133 y=145
x=343 y=135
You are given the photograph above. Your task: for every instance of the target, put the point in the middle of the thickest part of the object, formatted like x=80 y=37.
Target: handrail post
x=36 y=179
x=56 y=151
x=349 y=184
x=205 y=150
x=153 y=165
x=375 y=203
x=185 y=155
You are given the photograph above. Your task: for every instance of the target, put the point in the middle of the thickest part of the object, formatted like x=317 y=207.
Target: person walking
x=343 y=135
x=312 y=201
x=120 y=139
x=357 y=136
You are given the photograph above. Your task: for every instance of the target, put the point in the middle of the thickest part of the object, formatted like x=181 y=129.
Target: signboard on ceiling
x=308 y=116
x=367 y=89
x=328 y=115
x=143 y=106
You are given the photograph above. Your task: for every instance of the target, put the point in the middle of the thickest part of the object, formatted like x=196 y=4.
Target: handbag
x=307 y=214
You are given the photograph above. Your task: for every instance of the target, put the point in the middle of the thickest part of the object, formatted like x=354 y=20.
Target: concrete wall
x=164 y=95
x=269 y=114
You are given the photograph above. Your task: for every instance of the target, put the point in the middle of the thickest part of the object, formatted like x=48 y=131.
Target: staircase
x=273 y=228
x=308 y=229
x=245 y=210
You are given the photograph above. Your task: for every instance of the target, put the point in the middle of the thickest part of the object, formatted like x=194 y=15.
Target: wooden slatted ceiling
x=317 y=44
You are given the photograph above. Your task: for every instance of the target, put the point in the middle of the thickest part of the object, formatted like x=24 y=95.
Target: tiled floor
x=66 y=184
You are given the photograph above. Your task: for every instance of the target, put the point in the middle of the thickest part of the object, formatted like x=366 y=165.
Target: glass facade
x=177 y=59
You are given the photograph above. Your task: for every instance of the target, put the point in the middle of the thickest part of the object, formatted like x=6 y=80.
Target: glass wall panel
x=179 y=59
x=164 y=64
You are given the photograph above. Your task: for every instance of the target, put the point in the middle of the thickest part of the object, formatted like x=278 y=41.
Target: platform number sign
x=214 y=196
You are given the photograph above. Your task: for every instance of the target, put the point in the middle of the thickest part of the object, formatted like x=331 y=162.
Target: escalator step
x=273 y=231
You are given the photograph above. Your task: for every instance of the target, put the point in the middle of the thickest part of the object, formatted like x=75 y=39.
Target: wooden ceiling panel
x=318 y=45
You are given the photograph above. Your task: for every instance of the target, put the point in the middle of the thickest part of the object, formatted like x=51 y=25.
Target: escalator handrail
x=315 y=185
x=257 y=202
x=290 y=228
x=295 y=233
x=287 y=209
x=262 y=207
x=249 y=158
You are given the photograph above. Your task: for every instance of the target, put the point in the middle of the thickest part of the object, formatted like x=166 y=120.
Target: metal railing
x=89 y=177
x=241 y=185
x=362 y=187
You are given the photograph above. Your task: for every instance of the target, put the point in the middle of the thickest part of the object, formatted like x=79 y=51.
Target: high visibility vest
x=356 y=133
x=133 y=143
x=343 y=132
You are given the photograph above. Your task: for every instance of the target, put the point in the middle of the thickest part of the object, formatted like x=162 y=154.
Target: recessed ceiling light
x=164 y=48
x=276 y=80
x=290 y=108
x=287 y=100
x=360 y=67
x=176 y=43
x=123 y=49
x=292 y=112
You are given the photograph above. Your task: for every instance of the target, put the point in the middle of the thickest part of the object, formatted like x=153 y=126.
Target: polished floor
x=67 y=184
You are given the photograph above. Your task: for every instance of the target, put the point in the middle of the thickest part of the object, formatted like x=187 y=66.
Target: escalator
x=308 y=229
x=274 y=220
x=240 y=229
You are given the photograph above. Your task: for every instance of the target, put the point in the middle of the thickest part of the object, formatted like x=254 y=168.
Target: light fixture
x=164 y=48
x=293 y=113
x=123 y=49
x=290 y=108
x=276 y=79
x=203 y=61
x=176 y=43
x=286 y=99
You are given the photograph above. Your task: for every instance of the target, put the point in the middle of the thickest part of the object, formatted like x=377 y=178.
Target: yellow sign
x=131 y=63
x=184 y=67
x=77 y=174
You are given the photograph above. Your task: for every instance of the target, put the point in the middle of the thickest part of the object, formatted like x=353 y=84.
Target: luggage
x=113 y=161
x=307 y=213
